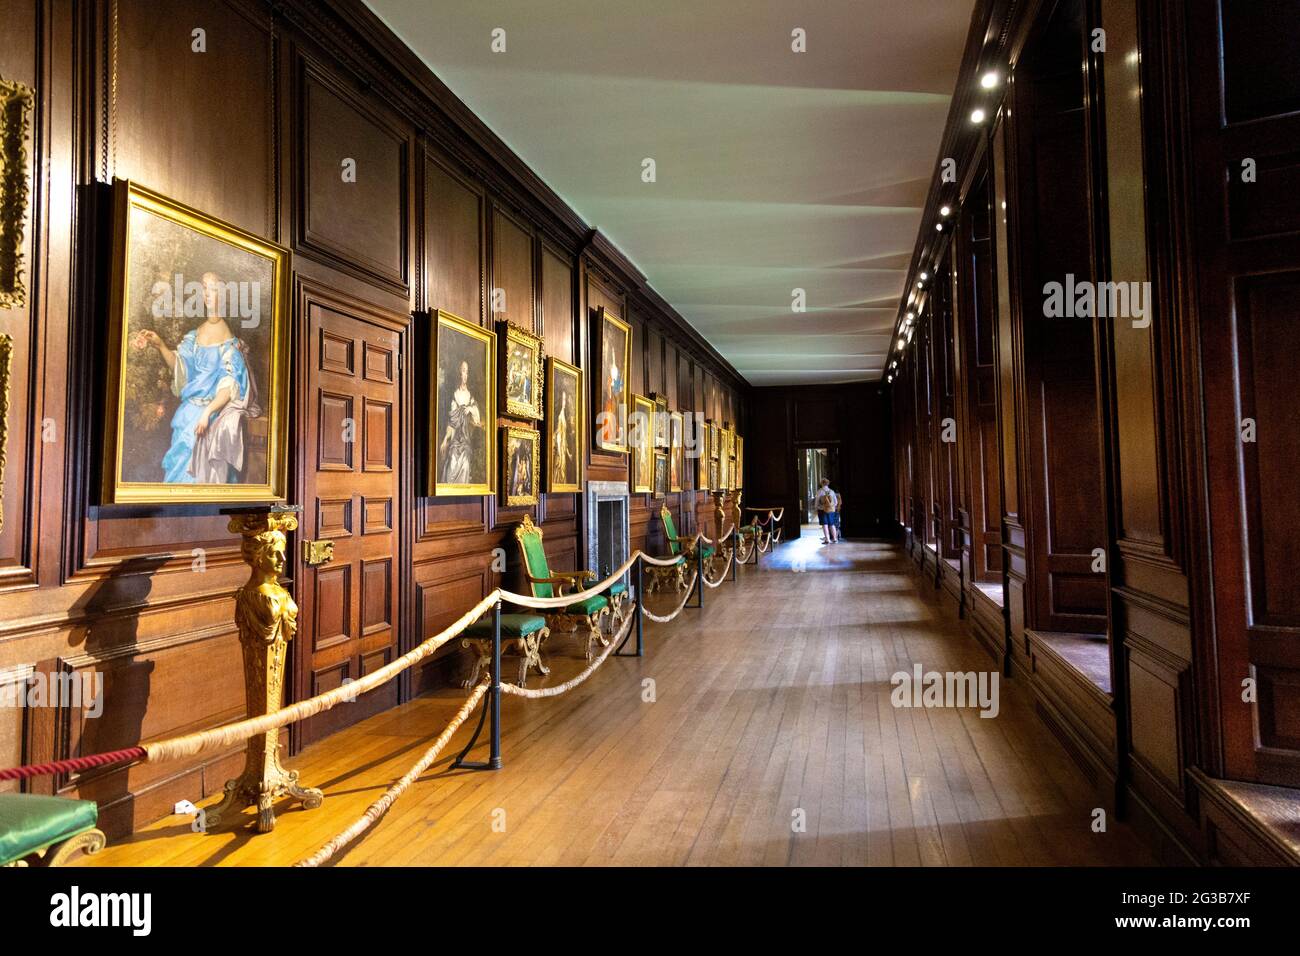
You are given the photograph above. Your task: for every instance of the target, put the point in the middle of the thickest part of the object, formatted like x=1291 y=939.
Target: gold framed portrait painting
x=612 y=398
x=198 y=366
x=661 y=475
x=462 y=385
x=676 y=451
x=740 y=462
x=520 y=454
x=640 y=432
x=564 y=426
x=521 y=371
x=662 y=437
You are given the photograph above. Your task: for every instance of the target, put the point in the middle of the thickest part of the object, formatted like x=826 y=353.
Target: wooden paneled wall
x=1109 y=459
x=253 y=130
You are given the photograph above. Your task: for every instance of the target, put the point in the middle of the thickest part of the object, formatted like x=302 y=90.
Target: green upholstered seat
x=616 y=588
x=707 y=551
x=30 y=822
x=537 y=566
x=590 y=606
x=512 y=625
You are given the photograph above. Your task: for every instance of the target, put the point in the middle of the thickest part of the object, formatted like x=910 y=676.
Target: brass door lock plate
x=317 y=552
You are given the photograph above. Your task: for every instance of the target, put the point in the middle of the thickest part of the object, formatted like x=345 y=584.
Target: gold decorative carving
x=6 y=364
x=527 y=648
x=15 y=110
x=267 y=618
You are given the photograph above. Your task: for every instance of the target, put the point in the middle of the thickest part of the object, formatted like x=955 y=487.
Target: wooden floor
x=771 y=705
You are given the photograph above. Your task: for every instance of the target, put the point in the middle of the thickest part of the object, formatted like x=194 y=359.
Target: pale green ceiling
x=775 y=170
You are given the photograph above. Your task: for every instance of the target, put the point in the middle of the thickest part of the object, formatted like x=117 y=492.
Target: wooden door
x=348 y=606
x=1245 y=109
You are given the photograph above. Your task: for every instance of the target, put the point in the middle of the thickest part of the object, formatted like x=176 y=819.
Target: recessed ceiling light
x=989 y=79
x=924 y=276
x=977 y=116
x=938 y=227
x=911 y=316
x=902 y=343
x=945 y=211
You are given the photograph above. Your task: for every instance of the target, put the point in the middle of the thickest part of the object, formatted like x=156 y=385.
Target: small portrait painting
x=740 y=462
x=661 y=475
x=612 y=403
x=197 y=406
x=564 y=427
x=661 y=421
x=641 y=436
x=521 y=448
x=521 y=372
x=464 y=407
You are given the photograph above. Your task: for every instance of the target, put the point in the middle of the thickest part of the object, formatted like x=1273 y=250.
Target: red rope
x=73 y=764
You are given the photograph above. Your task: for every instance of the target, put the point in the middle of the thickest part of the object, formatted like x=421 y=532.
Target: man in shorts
x=827 y=502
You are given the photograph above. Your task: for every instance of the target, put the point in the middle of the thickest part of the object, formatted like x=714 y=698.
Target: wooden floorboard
x=771 y=707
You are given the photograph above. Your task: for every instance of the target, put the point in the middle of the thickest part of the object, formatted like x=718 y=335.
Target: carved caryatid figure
x=267 y=618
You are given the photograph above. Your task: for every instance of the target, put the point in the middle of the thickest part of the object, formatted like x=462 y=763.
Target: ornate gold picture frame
x=564 y=427
x=662 y=437
x=661 y=475
x=463 y=408
x=520 y=465
x=15 y=112
x=522 y=371
x=676 y=451
x=740 y=462
x=197 y=404
x=612 y=348
x=640 y=431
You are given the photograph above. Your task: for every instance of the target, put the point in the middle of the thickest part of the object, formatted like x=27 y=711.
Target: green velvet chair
x=583 y=616
x=522 y=636
x=46 y=831
x=683 y=548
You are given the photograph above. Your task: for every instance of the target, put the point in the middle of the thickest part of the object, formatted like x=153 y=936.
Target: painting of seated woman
x=197 y=395
x=463 y=424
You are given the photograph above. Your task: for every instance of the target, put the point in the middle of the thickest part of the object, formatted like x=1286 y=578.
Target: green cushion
x=749 y=529
x=707 y=551
x=535 y=558
x=589 y=606
x=670 y=529
x=618 y=588
x=29 y=822
x=512 y=625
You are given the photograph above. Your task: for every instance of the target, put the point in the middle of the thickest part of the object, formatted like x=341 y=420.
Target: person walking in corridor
x=827 y=502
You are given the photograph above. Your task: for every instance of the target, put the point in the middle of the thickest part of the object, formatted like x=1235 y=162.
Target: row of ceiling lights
x=988 y=81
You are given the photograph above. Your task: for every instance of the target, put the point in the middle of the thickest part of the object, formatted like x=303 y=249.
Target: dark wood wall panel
x=198 y=126
x=513 y=271
x=360 y=224
x=454 y=229
x=255 y=130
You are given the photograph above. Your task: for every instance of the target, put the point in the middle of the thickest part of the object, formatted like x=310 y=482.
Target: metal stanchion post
x=640 y=577
x=494 y=757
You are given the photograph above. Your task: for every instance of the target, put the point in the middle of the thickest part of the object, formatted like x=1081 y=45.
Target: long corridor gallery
x=600 y=433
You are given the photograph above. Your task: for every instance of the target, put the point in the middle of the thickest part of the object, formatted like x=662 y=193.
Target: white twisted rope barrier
x=568 y=685
x=731 y=557
x=195 y=743
x=678 y=610
x=380 y=806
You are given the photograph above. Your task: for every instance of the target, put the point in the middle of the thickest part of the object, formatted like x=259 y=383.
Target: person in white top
x=827 y=501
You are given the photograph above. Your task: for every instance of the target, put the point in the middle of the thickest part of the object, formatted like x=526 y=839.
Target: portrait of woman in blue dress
x=217 y=392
